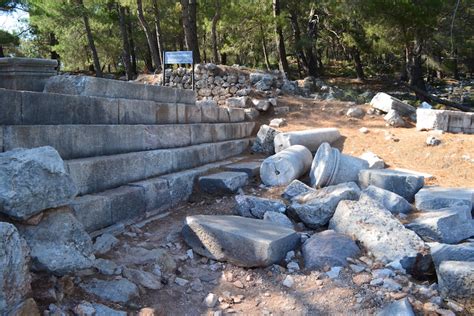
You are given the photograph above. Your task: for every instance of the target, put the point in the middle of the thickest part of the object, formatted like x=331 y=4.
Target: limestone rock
x=295 y=188
x=434 y=198
x=278 y=218
x=375 y=162
x=102 y=310
x=381 y=233
x=402 y=183
x=385 y=103
x=238 y=102
x=315 y=209
x=59 y=244
x=328 y=248
x=445 y=225
x=223 y=182
x=355 y=112
x=278 y=122
x=146 y=279
x=261 y=105
x=397 y=308
x=142 y=256
x=241 y=241
x=391 y=201
x=104 y=243
x=14 y=268
x=251 y=114
x=394 y=119
x=117 y=291
x=32 y=180
x=456 y=279
x=264 y=142
x=444 y=252
x=256 y=207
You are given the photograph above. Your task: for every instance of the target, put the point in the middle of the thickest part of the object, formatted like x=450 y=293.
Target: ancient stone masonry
x=448 y=121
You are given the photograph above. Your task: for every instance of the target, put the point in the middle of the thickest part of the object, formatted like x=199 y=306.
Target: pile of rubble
x=349 y=208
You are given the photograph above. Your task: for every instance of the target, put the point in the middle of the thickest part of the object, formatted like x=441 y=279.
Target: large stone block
x=391 y=201
x=397 y=308
x=456 y=279
x=59 y=244
x=187 y=114
x=256 y=207
x=241 y=241
x=10 y=107
x=29 y=74
x=445 y=120
x=311 y=139
x=93 y=211
x=402 y=183
x=33 y=180
x=146 y=112
x=444 y=252
x=264 y=142
x=385 y=103
x=434 y=198
x=223 y=182
x=157 y=195
x=14 y=268
x=381 y=233
x=251 y=168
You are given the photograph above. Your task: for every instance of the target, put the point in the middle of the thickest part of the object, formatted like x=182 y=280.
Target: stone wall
x=218 y=83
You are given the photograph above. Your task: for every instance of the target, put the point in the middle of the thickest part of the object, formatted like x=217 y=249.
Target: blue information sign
x=179 y=57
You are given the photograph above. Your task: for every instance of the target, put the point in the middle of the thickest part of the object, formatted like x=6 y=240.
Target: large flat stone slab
x=444 y=252
x=223 y=182
x=391 y=201
x=385 y=102
x=251 y=168
x=402 y=183
x=434 y=198
x=33 y=180
x=239 y=240
x=456 y=279
x=381 y=233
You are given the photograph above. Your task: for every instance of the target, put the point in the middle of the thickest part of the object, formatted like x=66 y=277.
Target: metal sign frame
x=178 y=57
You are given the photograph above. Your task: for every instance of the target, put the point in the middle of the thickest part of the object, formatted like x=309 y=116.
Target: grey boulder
x=402 y=183
x=433 y=198
x=278 y=218
x=447 y=226
x=444 y=252
x=397 y=308
x=117 y=291
x=381 y=233
x=391 y=201
x=315 y=209
x=14 y=268
x=242 y=241
x=264 y=142
x=295 y=188
x=328 y=248
x=32 y=180
x=256 y=207
x=456 y=279
x=59 y=244
x=223 y=182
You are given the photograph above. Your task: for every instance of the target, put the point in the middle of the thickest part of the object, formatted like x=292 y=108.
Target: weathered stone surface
x=393 y=118
x=397 y=308
x=380 y=233
x=384 y=102
x=223 y=182
x=295 y=188
x=251 y=168
x=328 y=248
x=330 y=167
x=241 y=241
x=32 y=180
x=445 y=120
x=261 y=105
x=434 y=198
x=140 y=256
x=278 y=218
x=402 y=183
x=444 y=252
x=315 y=209
x=375 y=162
x=286 y=166
x=391 y=201
x=311 y=139
x=59 y=244
x=456 y=279
x=447 y=226
x=264 y=142
x=30 y=74
x=278 y=122
x=102 y=310
x=107 y=267
x=143 y=278
x=105 y=243
x=355 y=112
x=238 y=102
x=256 y=207
x=117 y=291
x=14 y=268
x=251 y=114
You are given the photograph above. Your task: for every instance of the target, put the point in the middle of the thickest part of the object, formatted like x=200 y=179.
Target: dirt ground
x=260 y=291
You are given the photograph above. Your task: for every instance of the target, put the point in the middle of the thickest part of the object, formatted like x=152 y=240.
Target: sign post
x=179 y=57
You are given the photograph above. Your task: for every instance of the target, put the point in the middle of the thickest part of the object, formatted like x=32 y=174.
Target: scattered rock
x=278 y=122
x=181 y=281
x=391 y=201
x=280 y=110
x=391 y=285
x=445 y=225
x=238 y=102
x=223 y=182
x=288 y=281
x=143 y=278
x=14 y=268
x=364 y=130
x=107 y=267
x=361 y=278
x=328 y=248
x=104 y=243
x=443 y=252
x=141 y=256
x=295 y=188
x=402 y=183
x=242 y=241
x=432 y=141
x=256 y=207
x=334 y=272
x=434 y=198
x=315 y=209
x=393 y=118
x=32 y=180
x=386 y=103
x=251 y=168
x=278 y=218
x=381 y=234
x=456 y=279
x=117 y=291
x=397 y=308
x=59 y=244
x=355 y=112
x=210 y=300
x=264 y=142
x=375 y=162
x=261 y=105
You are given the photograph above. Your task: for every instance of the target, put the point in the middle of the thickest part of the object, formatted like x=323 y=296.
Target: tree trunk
x=312 y=34
x=405 y=67
x=416 y=68
x=90 y=38
x=150 y=37
x=125 y=43
x=358 y=64
x=2 y=54
x=280 y=41
x=264 y=46
x=159 y=41
x=215 y=19
x=133 y=54
x=148 y=60
x=190 y=27
x=53 y=41
x=297 y=40
x=455 y=65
